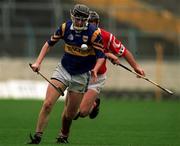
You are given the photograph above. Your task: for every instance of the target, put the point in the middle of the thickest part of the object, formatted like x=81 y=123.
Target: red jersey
x=112 y=45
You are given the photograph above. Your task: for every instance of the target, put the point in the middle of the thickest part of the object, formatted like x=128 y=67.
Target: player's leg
x=51 y=97
x=97 y=87
x=70 y=110
x=75 y=94
x=95 y=109
x=88 y=102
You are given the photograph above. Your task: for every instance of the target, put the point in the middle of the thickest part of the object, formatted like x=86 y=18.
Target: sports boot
x=62 y=139
x=36 y=139
x=95 y=110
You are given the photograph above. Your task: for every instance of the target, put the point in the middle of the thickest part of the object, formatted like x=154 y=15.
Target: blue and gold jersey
x=77 y=60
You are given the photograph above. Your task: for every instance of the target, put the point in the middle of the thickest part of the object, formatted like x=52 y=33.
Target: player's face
x=94 y=22
x=80 y=22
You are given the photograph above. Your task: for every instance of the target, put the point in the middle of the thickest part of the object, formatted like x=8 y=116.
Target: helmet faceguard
x=80 y=16
x=94 y=18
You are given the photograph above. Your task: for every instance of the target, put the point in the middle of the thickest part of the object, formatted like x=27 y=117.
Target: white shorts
x=76 y=83
x=99 y=84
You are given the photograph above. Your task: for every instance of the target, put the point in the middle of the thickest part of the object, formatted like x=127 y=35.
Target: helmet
x=94 y=18
x=80 y=16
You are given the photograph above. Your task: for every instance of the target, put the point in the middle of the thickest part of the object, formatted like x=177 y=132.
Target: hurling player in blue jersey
x=73 y=71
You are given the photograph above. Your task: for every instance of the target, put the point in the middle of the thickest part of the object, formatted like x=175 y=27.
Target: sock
x=66 y=124
x=39 y=134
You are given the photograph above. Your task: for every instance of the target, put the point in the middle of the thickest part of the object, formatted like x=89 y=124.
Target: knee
x=47 y=106
x=84 y=112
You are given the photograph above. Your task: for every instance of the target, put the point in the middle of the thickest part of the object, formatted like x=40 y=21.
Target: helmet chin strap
x=80 y=28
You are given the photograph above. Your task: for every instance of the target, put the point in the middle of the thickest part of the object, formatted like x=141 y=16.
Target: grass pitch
x=120 y=123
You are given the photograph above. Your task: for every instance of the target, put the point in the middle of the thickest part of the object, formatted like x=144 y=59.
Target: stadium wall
x=16 y=76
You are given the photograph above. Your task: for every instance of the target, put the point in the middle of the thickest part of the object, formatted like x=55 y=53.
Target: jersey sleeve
x=58 y=34
x=116 y=47
x=97 y=44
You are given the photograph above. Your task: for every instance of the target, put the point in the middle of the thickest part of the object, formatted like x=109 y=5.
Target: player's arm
x=97 y=44
x=99 y=62
x=94 y=71
x=123 y=52
x=114 y=49
x=36 y=66
x=117 y=48
x=58 y=34
x=46 y=47
x=113 y=58
x=131 y=60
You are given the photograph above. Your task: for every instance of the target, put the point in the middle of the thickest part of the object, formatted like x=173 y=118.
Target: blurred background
x=150 y=29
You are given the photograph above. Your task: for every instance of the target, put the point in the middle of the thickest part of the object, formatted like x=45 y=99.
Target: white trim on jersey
x=116 y=45
x=109 y=42
x=121 y=50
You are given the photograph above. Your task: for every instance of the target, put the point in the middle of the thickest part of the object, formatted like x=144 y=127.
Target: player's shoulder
x=106 y=35
x=103 y=31
x=67 y=23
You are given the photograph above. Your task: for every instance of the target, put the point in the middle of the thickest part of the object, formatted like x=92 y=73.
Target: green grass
x=120 y=123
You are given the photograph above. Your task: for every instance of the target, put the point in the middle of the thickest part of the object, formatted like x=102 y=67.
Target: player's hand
x=35 y=67
x=94 y=75
x=115 y=61
x=113 y=58
x=140 y=71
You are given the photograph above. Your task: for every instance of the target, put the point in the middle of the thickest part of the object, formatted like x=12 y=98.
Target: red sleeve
x=116 y=47
x=112 y=44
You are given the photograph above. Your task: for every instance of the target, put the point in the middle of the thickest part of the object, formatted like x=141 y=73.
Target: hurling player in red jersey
x=113 y=49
